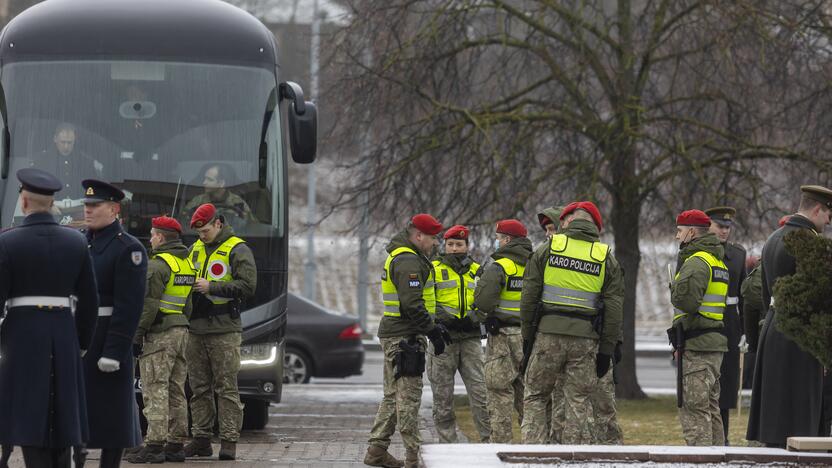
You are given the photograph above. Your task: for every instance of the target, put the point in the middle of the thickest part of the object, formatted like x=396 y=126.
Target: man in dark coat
x=788 y=382
x=42 y=403
x=120 y=263
x=722 y=224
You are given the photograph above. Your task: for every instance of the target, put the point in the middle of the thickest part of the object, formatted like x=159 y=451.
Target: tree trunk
x=626 y=210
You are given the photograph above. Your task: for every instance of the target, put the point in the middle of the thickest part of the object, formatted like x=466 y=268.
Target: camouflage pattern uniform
x=699 y=415
x=566 y=345
x=504 y=351
x=604 y=422
x=402 y=397
x=213 y=350
x=162 y=364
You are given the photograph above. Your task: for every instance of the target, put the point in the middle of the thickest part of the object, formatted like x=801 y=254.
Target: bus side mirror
x=303 y=124
x=5 y=138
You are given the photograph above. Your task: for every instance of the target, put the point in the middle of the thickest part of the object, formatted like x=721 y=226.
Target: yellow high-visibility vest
x=217 y=267
x=454 y=292
x=574 y=273
x=713 y=302
x=390 y=295
x=179 y=285
x=509 y=305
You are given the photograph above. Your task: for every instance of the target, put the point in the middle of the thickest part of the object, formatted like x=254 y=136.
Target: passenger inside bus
x=70 y=164
x=216 y=178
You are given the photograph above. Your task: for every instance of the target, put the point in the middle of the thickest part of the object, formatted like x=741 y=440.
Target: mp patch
x=574 y=264
x=414 y=283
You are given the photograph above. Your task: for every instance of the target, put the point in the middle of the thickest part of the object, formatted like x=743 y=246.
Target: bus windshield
x=171 y=135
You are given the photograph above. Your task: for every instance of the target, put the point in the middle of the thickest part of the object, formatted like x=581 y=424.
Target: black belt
x=702 y=331
x=588 y=318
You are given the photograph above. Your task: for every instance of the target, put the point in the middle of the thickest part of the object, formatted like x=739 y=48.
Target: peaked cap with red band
x=511 y=227
x=457 y=232
x=587 y=206
x=784 y=220
x=166 y=223
x=203 y=215
x=695 y=218
x=427 y=224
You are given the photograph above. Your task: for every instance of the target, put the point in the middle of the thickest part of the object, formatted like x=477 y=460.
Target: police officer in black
x=48 y=287
x=120 y=263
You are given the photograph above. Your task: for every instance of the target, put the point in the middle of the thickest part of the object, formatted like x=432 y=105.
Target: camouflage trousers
x=163 y=372
x=399 y=406
x=213 y=364
x=573 y=358
x=602 y=425
x=699 y=415
x=464 y=356
x=503 y=381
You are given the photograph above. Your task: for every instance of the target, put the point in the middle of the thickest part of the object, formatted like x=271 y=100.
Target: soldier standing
x=722 y=222
x=788 y=382
x=698 y=295
x=572 y=307
x=497 y=301
x=120 y=263
x=455 y=276
x=162 y=336
x=227 y=276
x=407 y=286
x=48 y=326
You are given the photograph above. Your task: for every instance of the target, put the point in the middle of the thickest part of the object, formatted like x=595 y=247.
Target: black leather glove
x=438 y=336
x=602 y=364
x=137 y=350
x=617 y=354
x=492 y=325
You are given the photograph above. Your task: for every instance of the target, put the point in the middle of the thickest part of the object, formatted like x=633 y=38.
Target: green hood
x=518 y=250
x=459 y=263
x=553 y=213
x=707 y=243
x=401 y=240
x=582 y=229
x=175 y=247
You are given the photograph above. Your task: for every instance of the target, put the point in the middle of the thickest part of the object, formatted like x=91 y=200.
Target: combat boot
x=174 y=453
x=228 y=450
x=199 y=447
x=150 y=453
x=378 y=456
x=412 y=459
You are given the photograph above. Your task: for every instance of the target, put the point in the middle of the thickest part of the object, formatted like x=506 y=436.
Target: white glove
x=743 y=345
x=108 y=365
x=83 y=352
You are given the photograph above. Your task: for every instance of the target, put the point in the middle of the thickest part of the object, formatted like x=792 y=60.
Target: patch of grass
x=654 y=421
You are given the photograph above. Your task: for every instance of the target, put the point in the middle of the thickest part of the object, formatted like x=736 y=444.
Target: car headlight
x=258 y=354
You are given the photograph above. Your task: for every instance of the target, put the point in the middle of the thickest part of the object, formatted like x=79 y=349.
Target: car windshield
x=171 y=135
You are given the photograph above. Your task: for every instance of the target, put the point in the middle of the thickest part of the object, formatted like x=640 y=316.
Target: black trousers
x=39 y=457
x=725 y=413
x=111 y=458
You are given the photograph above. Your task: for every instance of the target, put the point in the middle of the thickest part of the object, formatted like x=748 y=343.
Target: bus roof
x=207 y=31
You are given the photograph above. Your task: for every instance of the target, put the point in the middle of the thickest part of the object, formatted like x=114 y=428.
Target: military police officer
x=497 y=300
x=698 y=294
x=48 y=326
x=120 y=263
x=574 y=288
x=456 y=275
x=722 y=223
x=227 y=276
x=407 y=286
x=163 y=335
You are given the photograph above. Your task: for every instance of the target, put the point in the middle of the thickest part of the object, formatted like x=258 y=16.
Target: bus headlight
x=258 y=354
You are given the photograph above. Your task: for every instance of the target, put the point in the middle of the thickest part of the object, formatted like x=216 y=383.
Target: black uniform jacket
x=729 y=376
x=788 y=382
x=120 y=263
x=41 y=377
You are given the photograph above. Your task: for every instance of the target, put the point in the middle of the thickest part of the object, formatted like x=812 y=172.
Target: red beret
x=457 y=232
x=696 y=218
x=511 y=227
x=166 y=223
x=427 y=224
x=784 y=220
x=203 y=215
x=587 y=206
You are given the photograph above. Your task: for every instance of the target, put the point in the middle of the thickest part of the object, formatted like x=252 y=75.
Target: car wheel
x=255 y=414
x=297 y=367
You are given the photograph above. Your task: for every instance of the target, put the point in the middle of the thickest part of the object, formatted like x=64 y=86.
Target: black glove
x=617 y=355
x=602 y=364
x=137 y=350
x=492 y=325
x=438 y=336
x=467 y=325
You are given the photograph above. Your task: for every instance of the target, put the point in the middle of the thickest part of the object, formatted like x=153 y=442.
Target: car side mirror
x=303 y=124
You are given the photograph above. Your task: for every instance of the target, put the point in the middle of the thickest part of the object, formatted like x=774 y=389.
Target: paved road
x=325 y=423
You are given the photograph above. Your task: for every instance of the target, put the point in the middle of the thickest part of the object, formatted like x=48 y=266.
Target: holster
x=410 y=360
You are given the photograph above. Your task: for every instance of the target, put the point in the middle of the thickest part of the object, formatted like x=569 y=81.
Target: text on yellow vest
x=179 y=285
x=509 y=305
x=713 y=302
x=574 y=273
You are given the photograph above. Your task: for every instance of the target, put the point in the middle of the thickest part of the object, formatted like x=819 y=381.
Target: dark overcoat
x=41 y=377
x=729 y=373
x=788 y=382
x=120 y=263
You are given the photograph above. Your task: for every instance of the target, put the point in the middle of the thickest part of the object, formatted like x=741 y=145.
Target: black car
x=320 y=343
